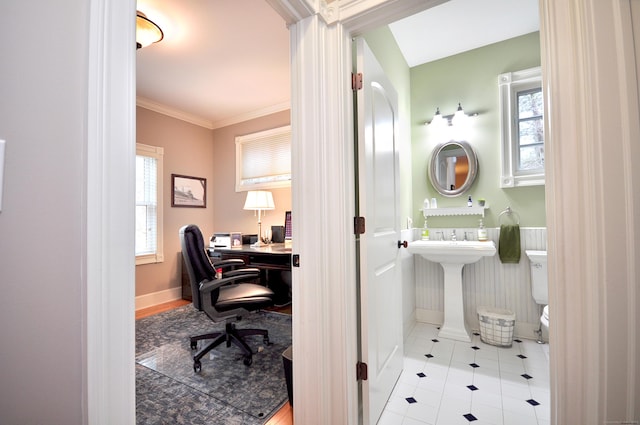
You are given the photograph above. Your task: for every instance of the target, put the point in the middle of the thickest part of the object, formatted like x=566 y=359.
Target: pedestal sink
x=452 y=256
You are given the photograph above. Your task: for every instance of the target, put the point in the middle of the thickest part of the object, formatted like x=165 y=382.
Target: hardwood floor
x=284 y=416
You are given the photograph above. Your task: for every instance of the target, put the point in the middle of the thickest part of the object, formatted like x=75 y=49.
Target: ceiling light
x=147 y=32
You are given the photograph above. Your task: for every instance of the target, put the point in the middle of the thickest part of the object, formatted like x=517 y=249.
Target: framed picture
x=188 y=191
x=236 y=240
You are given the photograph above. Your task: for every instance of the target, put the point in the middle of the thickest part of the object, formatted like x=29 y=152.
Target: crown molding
x=203 y=122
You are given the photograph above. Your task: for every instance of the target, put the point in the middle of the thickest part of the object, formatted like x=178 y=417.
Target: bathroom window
x=522 y=128
x=149 y=161
x=263 y=160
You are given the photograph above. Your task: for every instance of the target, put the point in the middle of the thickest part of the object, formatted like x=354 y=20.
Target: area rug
x=225 y=391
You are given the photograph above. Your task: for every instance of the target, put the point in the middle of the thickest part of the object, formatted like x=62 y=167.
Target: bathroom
x=471 y=80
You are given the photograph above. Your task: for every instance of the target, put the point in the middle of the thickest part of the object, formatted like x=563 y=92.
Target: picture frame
x=236 y=240
x=188 y=191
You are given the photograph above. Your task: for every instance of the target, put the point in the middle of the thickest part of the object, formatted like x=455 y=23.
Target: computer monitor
x=287 y=226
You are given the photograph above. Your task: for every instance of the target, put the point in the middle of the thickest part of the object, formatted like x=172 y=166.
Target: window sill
x=149 y=259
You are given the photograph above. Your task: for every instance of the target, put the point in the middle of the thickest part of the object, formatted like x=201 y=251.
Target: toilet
x=540 y=289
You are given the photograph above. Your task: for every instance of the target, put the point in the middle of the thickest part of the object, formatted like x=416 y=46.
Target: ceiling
x=227 y=61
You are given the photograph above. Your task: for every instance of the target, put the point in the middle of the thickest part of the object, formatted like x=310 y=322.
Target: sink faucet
x=453 y=235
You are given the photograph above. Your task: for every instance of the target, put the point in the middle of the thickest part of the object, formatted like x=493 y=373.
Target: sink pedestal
x=454 y=326
x=452 y=256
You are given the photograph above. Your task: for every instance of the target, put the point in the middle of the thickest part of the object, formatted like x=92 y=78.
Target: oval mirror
x=453 y=168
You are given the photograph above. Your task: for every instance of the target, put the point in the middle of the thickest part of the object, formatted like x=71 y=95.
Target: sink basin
x=452 y=256
x=457 y=252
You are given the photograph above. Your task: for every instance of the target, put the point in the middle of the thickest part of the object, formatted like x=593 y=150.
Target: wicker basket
x=496 y=326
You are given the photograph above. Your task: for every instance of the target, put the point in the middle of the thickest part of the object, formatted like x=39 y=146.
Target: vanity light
x=456 y=119
x=459 y=118
x=437 y=120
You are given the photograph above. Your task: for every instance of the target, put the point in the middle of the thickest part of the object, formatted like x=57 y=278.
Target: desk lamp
x=259 y=200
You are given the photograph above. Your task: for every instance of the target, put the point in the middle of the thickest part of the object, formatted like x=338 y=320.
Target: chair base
x=230 y=335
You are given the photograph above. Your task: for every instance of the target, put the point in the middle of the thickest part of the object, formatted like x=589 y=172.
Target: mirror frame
x=471 y=176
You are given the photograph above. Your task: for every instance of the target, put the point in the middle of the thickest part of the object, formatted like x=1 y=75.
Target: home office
x=210 y=154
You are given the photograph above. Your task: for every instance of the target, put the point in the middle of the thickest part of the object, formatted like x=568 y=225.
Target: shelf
x=442 y=212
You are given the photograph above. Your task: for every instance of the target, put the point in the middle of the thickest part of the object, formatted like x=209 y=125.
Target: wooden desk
x=271 y=257
x=274 y=262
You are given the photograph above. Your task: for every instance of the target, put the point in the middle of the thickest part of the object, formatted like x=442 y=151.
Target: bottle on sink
x=482 y=232
x=425 y=231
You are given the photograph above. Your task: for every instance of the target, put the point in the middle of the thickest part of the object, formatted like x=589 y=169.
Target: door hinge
x=361 y=371
x=356 y=81
x=358 y=225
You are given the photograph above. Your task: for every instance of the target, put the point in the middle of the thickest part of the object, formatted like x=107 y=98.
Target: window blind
x=263 y=160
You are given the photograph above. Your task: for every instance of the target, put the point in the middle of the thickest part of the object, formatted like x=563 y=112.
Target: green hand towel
x=509 y=243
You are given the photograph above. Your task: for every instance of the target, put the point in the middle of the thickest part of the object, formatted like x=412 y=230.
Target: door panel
x=380 y=280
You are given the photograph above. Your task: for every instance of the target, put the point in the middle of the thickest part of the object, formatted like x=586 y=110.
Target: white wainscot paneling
x=485 y=283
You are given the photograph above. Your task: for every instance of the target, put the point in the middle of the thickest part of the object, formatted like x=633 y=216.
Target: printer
x=220 y=241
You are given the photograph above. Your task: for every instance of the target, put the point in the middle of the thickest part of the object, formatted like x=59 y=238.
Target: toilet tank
x=539 y=282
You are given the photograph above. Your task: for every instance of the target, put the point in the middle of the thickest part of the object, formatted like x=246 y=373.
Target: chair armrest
x=231 y=262
x=208 y=286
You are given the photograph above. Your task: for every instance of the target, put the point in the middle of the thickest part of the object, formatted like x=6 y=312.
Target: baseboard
x=434 y=317
x=155 y=298
x=408 y=325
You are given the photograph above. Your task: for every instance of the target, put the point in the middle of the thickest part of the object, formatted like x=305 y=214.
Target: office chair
x=229 y=298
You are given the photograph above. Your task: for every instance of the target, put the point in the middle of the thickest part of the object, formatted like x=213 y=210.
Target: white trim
x=110 y=199
x=591 y=95
x=509 y=84
x=157 y=153
x=155 y=298
x=207 y=123
x=324 y=332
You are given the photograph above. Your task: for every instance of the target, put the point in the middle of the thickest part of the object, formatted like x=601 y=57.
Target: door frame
x=320 y=35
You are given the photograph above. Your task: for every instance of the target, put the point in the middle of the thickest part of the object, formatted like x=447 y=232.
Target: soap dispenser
x=482 y=232
x=425 y=231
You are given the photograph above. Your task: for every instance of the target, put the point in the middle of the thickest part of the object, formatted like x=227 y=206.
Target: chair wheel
x=194 y=345
x=197 y=366
x=247 y=360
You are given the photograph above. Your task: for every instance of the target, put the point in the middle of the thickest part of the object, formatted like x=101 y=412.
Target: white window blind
x=263 y=160
x=149 y=204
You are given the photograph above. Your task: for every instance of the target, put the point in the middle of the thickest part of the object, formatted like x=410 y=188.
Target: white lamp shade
x=259 y=200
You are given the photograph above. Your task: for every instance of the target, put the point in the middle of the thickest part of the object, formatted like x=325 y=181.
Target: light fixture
x=459 y=117
x=147 y=32
x=454 y=119
x=259 y=200
x=437 y=120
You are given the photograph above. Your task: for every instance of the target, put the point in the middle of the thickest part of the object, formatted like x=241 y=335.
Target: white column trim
x=324 y=301
x=109 y=196
x=592 y=130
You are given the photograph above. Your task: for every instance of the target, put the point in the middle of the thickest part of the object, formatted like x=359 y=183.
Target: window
x=522 y=128
x=263 y=160
x=149 y=204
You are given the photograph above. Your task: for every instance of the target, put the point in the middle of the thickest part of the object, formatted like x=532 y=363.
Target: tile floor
x=448 y=382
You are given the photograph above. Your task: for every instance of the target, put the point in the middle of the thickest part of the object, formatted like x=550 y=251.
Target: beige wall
x=196 y=151
x=228 y=213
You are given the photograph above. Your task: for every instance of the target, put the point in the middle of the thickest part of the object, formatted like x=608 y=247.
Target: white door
x=380 y=280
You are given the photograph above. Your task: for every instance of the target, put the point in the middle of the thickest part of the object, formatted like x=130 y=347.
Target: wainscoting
x=485 y=283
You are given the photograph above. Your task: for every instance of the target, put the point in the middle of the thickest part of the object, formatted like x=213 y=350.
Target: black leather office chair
x=228 y=299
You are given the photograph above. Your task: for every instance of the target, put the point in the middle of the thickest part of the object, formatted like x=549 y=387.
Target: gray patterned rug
x=226 y=391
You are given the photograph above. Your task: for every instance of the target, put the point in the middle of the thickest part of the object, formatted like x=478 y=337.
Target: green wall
x=471 y=79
